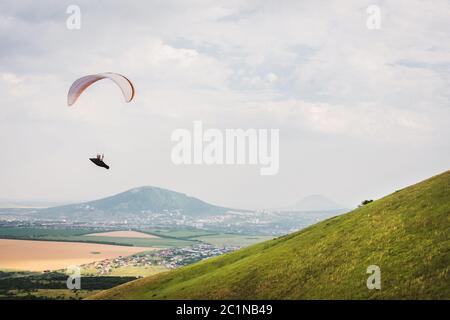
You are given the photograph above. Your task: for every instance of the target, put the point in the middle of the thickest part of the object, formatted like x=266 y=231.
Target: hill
x=135 y=202
x=405 y=234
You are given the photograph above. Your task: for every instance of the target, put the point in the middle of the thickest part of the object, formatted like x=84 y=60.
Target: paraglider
x=81 y=84
x=99 y=161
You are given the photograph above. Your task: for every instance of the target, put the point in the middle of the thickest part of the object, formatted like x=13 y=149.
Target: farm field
x=224 y=239
x=180 y=233
x=137 y=271
x=86 y=235
x=214 y=238
x=125 y=271
x=123 y=234
x=155 y=238
x=49 y=255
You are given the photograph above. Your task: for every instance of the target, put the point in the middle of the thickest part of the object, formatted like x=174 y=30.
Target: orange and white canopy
x=77 y=88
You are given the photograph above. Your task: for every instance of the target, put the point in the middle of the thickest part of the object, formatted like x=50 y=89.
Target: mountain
x=149 y=207
x=405 y=234
x=137 y=202
x=315 y=202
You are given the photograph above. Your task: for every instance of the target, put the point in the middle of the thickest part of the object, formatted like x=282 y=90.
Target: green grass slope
x=406 y=234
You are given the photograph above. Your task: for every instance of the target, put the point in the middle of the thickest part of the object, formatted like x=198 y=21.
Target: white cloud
x=310 y=68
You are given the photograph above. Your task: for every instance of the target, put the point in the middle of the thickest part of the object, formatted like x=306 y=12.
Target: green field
x=167 y=237
x=406 y=234
x=214 y=238
x=226 y=239
x=179 y=233
x=80 y=235
x=34 y=233
x=137 y=271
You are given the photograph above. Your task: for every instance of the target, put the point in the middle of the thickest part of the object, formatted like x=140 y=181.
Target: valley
x=106 y=255
x=156 y=208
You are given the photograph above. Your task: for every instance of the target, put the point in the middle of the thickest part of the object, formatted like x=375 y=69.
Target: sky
x=361 y=112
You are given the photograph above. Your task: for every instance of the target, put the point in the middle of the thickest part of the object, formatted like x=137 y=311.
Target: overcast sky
x=361 y=112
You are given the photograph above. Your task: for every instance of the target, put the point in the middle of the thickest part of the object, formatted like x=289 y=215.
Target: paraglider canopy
x=82 y=83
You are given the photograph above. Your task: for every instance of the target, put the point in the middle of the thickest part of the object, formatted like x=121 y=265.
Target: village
x=169 y=258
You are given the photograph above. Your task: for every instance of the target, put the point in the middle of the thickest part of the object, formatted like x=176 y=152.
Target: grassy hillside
x=406 y=234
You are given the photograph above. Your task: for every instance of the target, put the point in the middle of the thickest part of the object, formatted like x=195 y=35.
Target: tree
x=365 y=202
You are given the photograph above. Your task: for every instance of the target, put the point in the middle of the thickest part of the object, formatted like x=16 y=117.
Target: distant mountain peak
x=137 y=201
x=139 y=189
x=145 y=188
